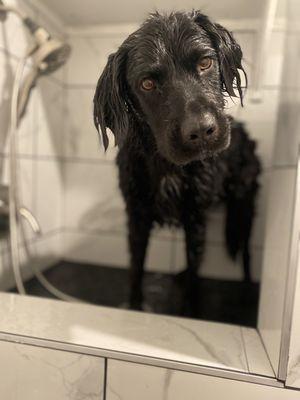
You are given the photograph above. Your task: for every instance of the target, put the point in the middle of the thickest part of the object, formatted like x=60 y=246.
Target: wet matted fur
x=162 y=94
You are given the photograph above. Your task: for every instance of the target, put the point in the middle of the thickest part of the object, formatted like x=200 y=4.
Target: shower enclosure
x=70 y=186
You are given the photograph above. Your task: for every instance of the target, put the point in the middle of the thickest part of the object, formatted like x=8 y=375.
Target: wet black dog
x=162 y=95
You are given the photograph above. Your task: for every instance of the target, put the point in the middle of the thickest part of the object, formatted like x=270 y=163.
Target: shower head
x=3 y=14
x=49 y=54
x=47 y=57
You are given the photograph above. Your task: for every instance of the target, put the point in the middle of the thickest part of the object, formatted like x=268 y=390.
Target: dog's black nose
x=196 y=129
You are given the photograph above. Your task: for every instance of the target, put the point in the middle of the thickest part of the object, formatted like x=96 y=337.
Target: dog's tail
x=241 y=188
x=238 y=227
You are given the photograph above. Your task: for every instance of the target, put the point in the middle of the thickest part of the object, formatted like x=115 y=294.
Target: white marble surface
x=288 y=138
x=261 y=120
x=46 y=250
x=14 y=37
x=111 y=249
x=50 y=117
x=43 y=252
x=26 y=133
x=92 y=198
x=128 y=381
x=26 y=187
x=176 y=339
x=89 y=56
x=246 y=40
x=81 y=139
x=216 y=262
x=35 y=373
x=275 y=59
x=48 y=192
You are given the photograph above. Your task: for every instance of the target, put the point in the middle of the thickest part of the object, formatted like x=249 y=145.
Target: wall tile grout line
x=63 y=159
x=34 y=240
x=86 y=160
x=108 y=232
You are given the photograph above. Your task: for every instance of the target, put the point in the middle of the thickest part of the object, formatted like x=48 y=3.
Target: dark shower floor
x=223 y=301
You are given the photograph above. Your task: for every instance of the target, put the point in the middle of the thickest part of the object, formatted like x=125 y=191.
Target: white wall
x=94 y=218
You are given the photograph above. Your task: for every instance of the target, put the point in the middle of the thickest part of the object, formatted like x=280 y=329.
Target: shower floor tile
x=223 y=301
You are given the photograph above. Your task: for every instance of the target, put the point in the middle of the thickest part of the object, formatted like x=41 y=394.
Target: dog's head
x=172 y=75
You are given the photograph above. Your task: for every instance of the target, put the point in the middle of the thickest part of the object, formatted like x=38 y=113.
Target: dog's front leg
x=195 y=242
x=139 y=232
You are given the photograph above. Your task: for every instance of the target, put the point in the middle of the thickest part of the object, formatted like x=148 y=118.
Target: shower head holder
x=3 y=12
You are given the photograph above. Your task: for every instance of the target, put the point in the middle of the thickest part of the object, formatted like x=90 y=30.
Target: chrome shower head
x=50 y=54
x=3 y=14
x=47 y=57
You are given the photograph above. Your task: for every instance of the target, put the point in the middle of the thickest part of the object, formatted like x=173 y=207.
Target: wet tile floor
x=218 y=300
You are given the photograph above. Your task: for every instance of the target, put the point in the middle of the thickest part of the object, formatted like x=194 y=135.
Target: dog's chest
x=168 y=199
x=189 y=191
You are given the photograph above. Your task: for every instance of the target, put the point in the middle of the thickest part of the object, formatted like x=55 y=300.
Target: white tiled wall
x=92 y=199
x=70 y=183
x=40 y=138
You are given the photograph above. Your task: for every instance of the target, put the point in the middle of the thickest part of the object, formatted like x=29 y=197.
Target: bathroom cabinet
x=35 y=373
x=52 y=349
x=129 y=381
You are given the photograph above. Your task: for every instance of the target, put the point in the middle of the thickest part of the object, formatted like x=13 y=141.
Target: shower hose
x=14 y=203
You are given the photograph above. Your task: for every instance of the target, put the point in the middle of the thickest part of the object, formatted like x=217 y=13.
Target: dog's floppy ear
x=229 y=53
x=110 y=107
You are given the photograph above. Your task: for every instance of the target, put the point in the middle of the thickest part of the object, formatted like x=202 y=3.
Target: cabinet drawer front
x=129 y=381
x=35 y=373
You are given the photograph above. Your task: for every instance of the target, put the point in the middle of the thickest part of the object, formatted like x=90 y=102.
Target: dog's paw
x=137 y=307
x=124 y=306
x=146 y=307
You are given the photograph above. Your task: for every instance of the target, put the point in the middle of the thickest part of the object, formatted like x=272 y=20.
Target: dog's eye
x=147 y=84
x=204 y=64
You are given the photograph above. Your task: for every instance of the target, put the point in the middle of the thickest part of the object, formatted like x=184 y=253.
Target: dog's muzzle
x=200 y=130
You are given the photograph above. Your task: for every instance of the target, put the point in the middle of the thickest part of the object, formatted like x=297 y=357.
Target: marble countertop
x=183 y=340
